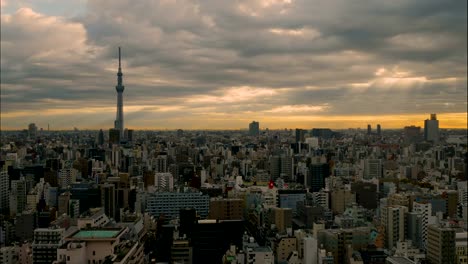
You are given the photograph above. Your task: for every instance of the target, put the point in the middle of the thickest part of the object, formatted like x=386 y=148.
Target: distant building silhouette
x=254 y=128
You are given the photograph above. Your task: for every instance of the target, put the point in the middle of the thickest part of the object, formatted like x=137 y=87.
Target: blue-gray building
x=169 y=203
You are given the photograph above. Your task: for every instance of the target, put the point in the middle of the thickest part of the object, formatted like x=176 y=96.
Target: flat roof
x=96 y=234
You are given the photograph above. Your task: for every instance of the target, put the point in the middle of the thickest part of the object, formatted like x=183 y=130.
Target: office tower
x=164 y=181
x=393 y=221
x=414 y=228
x=281 y=166
x=114 y=136
x=440 y=244
x=300 y=135
x=254 y=128
x=431 y=129
x=366 y=194
x=45 y=245
x=169 y=203
x=18 y=196
x=369 y=129
x=287 y=164
x=4 y=192
x=108 y=199
x=100 y=140
x=32 y=130
x=451 y=203
x=226 y=209
x=119 y=120
x=373 y=169
x=63 y=201
x=379 y=130
x=161 y=163
x=316 y=176
x=322 y=133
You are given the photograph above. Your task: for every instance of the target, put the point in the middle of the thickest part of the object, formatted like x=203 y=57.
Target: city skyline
x=203 y=65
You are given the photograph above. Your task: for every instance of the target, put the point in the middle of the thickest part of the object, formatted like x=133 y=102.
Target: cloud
x=187 y=60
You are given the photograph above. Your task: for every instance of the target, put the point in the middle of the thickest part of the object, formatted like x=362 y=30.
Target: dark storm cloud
x=355 y=57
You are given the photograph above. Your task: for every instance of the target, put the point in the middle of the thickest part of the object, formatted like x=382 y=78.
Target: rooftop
x=96 y=234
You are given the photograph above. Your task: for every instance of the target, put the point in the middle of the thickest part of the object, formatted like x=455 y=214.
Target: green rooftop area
x=96 y=234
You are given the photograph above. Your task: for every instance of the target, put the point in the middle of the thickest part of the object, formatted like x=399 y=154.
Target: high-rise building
x=317 y=175
x=281 y=166
x=431 y=129
x=114 y=136
x=440 y=244
x=425 y=209
x=4 y=192
x=18 y=196
x=373 y=169
x=369 y=129
x=100 y=139
x=393 y=220
x=108 y=199
x=379 y=130
x=300 y=135
x=119 y=120
x=32 y=130
x=254 y=128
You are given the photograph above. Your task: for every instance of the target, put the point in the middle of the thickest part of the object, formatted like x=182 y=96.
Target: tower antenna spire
x=119 y=59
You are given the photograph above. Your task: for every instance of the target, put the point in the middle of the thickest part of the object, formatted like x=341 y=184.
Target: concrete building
x=336 y=241
x=169 y=203
x=45 y=245
x=425 y=209
x=372 y=169
x=164 y=181
x=181 y=251
x=284 y=246
x=9 y=255
x=94 y=217
x=441 y=244
x=461 y=247
x=18 y=196
x=99 y=245
x=393 y=221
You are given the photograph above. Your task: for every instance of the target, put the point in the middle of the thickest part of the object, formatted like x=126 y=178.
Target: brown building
x=226 y=209
x=283 y=247
x=341 y=199
x=281 y=218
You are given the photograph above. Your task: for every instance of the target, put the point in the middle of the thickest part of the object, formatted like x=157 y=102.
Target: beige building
x=440 y=244
x=181 y=252
x=461 y=242
x=393 y=220
x=281 y=218
x=341 y=199
x=226 y=209
x=94 y=217
x=283 y=246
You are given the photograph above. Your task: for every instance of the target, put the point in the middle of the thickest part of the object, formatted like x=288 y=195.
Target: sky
x=220 y=64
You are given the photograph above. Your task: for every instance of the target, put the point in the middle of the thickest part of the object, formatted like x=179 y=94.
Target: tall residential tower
x=119 y=122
